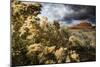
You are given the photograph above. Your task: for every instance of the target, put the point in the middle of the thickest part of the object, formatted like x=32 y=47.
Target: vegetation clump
x=36 y=41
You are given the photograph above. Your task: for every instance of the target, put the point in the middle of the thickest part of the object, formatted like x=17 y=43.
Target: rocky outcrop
x=83 y=25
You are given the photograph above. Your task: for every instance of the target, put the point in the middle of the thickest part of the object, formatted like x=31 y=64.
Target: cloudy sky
x=67 y=13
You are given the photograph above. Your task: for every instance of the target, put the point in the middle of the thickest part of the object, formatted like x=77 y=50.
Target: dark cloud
x=68 y=12
x=81 y=12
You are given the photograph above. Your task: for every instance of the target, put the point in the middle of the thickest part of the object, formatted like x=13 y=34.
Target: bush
x=36 y=41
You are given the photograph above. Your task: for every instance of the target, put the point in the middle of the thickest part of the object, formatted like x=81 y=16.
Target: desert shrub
x=34 y=40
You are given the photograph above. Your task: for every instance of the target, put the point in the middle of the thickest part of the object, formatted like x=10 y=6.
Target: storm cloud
x=68 y=12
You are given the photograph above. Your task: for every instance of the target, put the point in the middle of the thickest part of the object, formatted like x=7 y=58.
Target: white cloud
x=55 y=11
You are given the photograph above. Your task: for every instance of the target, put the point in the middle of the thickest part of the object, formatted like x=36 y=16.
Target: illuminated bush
x=37 y=41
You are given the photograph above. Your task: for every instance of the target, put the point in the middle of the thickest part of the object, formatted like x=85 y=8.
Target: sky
x=68 y=13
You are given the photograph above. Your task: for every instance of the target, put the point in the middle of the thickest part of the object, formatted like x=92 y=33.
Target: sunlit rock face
x=83 y=25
